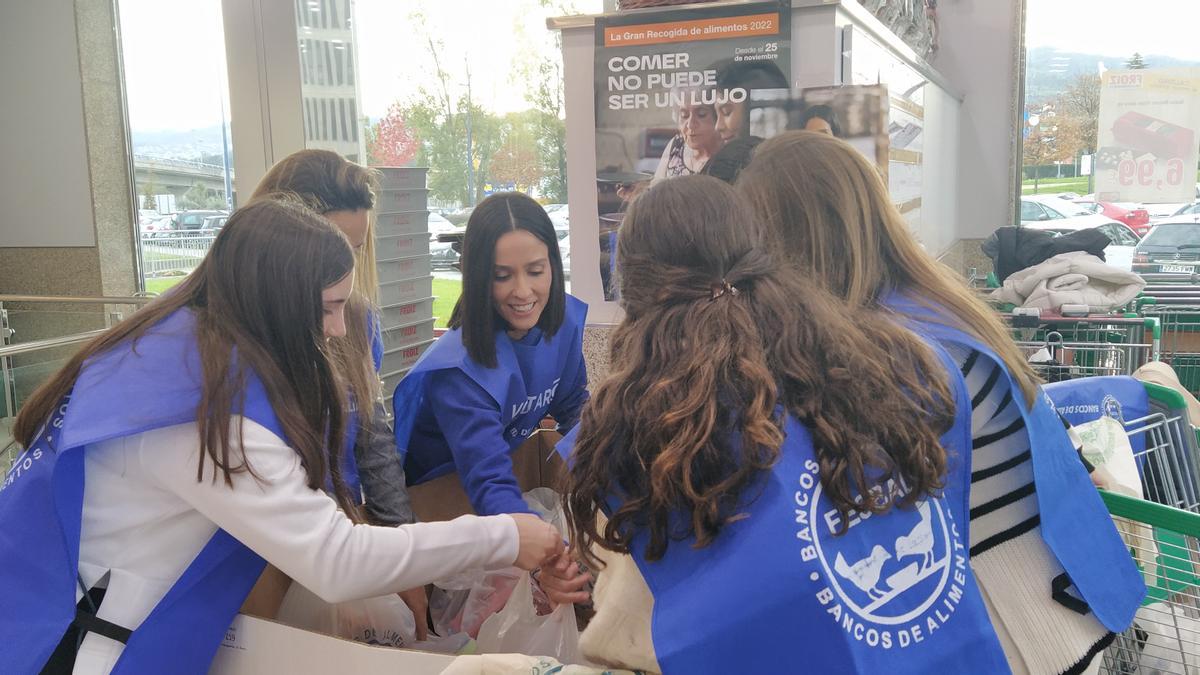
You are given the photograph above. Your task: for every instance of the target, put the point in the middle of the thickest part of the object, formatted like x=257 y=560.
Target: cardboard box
x=254 y=646
x=535 y=464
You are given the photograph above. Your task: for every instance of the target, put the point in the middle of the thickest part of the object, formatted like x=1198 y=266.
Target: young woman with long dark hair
x=177 y=453
x=514 y=355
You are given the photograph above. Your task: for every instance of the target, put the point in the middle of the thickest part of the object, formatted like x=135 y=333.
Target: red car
x=1133 y=215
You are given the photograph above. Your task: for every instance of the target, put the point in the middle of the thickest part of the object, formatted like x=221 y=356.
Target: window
x=1030 y=212
x=177 y=98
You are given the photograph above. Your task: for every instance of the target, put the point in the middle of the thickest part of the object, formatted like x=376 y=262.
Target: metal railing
x=10 y=347
x=174 y=252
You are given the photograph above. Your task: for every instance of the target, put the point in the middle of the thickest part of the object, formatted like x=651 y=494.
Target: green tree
x=196 y=197
x=1135 y=62
x=149 y=189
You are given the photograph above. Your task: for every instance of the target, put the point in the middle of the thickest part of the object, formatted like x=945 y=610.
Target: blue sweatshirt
x=459 y=426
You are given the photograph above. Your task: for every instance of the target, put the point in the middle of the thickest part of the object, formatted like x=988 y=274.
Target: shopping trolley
x=1167 y=453
x=1063 y=348
x=1165 y=543
x=1180 y=345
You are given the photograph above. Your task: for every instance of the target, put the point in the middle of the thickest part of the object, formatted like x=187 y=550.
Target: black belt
x=87 y=622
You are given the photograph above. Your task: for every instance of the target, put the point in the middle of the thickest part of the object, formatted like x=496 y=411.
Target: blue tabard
x=1075 y=524
x=122 y=392
x=522 y=403
x=779 y=591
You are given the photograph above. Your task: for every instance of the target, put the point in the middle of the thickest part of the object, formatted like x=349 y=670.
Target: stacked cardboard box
x=405 y=275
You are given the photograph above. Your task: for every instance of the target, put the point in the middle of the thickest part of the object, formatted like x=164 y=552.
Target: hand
x=539 y=541
x=418 y=602
x=563 y=581
x=1102 y=479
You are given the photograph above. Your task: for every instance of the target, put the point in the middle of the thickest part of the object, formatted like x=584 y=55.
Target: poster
x=673 y=89
x=1149 y=121
x=855 y=114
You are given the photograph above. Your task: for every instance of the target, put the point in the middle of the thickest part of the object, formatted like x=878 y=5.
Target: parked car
x=1133 y=215
x=438 y=225
x=194 y=220
x=1042 y=209
x=213 y=224
x=1172 y=245
x=1119 y=253
x=157 y=226
x=1189 y=209
x=564 y=249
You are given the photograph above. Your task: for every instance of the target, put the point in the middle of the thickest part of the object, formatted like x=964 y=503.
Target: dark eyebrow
x=339 y=301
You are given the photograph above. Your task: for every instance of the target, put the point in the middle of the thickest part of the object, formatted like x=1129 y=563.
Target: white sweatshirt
x=145 y=517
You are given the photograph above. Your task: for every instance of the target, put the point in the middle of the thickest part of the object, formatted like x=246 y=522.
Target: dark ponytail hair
x=716 y=336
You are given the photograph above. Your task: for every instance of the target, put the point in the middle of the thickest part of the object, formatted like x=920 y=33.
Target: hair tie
x=720 y=288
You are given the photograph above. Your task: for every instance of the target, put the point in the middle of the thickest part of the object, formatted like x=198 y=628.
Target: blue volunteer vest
x=522 y=403
x=894 y=594
x=1075 y=524
x=121 y=392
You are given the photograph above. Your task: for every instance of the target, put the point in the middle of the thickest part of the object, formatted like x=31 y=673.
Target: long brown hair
x=257 y=294
x=327 y=182
x=717 y=334
x=832 y=217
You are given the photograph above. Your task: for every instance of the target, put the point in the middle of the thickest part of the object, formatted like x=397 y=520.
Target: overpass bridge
x=177 y=176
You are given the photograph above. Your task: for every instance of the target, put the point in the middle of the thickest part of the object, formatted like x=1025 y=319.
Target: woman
x=174 y=450
x=343 y=192
x=698 y=140
x=820 y=119
x=1037 y=525
x=513 y=355
x=735 y=117
x=769 y=468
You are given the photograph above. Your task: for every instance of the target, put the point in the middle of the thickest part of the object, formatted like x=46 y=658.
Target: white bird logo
x=920 y=540
x=865 y=572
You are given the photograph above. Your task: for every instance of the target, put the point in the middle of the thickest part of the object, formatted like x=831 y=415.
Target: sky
x=175 y=56
x=175 y=59
x=1114 y=27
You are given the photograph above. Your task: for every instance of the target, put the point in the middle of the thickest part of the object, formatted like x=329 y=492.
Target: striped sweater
x=1012 y=563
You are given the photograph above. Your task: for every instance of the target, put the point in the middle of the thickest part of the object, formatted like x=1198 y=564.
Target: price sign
x=1148 y=135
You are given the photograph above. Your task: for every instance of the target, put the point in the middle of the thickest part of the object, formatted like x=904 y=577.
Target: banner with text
x=1148 y=135
x=673 y=89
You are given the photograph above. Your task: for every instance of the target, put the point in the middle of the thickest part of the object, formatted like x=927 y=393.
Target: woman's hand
x=563 y=581
x=539 y=541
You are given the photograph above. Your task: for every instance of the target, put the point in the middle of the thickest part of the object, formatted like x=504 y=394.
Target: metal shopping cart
x=1179 y=317
x=1165 y=543
x=1063 y=348
x=1155 y=419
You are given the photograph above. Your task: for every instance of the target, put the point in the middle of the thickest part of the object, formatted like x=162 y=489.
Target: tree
x=1081 y=103
x=1135 y=62
x=518 y=160
x=149 y=189
x=390 y=141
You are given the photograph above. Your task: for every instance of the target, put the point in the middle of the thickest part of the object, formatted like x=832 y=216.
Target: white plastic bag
x=518 y=628
x=487 y=597
x=384 y=620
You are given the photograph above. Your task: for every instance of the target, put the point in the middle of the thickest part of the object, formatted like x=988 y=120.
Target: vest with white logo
x=121 y=392
x=781 y=590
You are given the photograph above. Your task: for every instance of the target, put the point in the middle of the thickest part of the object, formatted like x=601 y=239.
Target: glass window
x=484 y=113
x=177 y=98
x=1069 y=44
x=1030 y=211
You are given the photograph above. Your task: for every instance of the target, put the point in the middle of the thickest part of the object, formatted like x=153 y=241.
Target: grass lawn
x=446 y=292
x=160 y=284
x=1078 y=185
